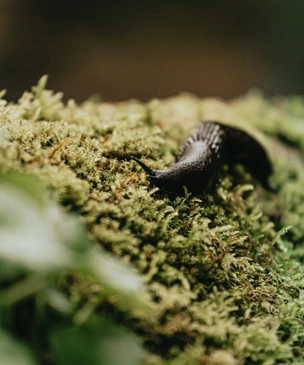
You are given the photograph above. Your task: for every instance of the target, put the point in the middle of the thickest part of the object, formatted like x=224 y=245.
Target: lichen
x=223 y=273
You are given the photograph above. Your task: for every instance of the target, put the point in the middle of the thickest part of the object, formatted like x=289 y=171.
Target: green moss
x=223 y=275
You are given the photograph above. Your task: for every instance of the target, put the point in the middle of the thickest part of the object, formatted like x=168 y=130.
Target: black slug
x=202 y=154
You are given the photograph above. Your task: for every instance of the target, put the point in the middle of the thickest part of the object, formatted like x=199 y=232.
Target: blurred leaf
x=28 y=236
x=114 y=274
x=29 y=185
x=99 y=343
x=59 y=301
x=12 y=352
x=24 y=288
x=118 y=281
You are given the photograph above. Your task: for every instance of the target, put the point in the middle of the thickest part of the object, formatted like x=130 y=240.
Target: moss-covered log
x=223 y=275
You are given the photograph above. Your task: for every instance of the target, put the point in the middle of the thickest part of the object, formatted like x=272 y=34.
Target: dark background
x=148 y=49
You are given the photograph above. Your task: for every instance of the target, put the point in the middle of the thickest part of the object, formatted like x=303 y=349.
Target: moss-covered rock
x=223 y=275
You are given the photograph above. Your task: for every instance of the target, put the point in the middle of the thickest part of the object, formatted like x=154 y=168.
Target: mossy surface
x=223 y=275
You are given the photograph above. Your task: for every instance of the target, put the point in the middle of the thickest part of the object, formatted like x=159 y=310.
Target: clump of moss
x=223 y=275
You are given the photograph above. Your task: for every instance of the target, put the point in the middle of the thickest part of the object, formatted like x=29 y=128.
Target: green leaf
x=13 y=352
x=29 y=185
x=99 y=343
x=28 y=233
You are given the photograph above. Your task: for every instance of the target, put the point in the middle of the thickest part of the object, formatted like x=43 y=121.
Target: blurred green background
x=148 y=49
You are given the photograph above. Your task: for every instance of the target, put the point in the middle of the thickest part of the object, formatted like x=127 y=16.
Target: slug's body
x=200 y=157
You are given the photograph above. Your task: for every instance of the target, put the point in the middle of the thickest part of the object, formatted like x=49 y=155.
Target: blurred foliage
x=212 y=281
x=40 y=245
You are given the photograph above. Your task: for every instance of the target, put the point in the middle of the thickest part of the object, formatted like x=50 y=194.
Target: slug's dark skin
x=202 y=154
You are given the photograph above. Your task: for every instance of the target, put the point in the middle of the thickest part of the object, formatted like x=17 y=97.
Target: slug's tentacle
x=200 y=157
x=148 y=170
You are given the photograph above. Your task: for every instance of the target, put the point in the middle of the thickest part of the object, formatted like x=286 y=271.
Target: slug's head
x=156 y=177
x=171 y=180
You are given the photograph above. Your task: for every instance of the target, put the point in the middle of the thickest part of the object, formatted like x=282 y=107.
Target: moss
x=223 y=274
